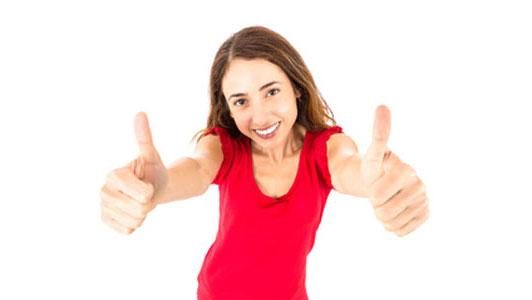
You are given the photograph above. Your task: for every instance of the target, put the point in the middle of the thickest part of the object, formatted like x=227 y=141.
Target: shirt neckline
x=296 y=180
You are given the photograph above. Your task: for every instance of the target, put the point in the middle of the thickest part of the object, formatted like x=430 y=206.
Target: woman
x=269 y=148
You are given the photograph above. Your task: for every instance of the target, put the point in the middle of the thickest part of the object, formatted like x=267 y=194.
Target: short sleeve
x=228 y=149
x=320 y=147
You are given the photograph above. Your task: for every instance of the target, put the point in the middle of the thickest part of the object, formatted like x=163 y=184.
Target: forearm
x=185 y=180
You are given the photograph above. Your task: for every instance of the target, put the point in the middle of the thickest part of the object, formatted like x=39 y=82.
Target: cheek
x=242 y=123
x=288 y=109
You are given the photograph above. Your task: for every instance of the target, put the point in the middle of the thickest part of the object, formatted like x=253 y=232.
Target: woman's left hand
x=395 y=191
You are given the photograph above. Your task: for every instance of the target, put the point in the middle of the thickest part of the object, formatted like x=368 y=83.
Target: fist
x=132 y=191
x=395 y=191
x=125 y=199
x=399 y=197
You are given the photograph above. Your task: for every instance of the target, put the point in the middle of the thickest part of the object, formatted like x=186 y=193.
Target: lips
x=262 y=129
x=272 y=133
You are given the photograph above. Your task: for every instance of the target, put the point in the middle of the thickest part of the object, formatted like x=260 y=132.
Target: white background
x=456 y=75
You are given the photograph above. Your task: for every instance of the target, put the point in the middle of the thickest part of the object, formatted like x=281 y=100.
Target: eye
x=273 y=90
x=235 y=103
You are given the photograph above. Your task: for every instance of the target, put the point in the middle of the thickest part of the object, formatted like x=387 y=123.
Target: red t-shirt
x=262 y=243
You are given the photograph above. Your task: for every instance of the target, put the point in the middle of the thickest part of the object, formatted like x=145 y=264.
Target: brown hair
x=260 y=42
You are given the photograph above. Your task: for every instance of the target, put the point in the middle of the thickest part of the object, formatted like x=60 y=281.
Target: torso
x=276 y=180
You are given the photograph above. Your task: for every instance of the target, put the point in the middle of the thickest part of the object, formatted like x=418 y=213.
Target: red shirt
x=262 y=243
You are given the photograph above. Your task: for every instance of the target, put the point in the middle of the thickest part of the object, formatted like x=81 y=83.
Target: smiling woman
x=265 y=117
x=271 y=166
x=269 y=148
x=263 y=45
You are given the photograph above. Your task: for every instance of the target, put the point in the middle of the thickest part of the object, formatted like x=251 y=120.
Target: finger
x=125 y=181
x=116 y=225
x=144 y=138
x=381 y=134
x=138 y=170
x=390 y=184
x=137 y=167
x=406 y=196
x=420 y=203
x=120 y=216
x=413 y=224
x=124 y=202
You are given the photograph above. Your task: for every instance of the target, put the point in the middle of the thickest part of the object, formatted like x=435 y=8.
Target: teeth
x=269 y=130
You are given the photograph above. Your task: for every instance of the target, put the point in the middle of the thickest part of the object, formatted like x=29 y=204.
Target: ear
x=298 y=94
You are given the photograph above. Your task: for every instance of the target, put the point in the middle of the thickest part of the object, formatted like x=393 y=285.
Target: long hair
x=260 y=42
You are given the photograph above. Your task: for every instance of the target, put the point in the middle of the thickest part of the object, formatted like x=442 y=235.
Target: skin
x=260 y=109
x=275 y=161
x=397 y=194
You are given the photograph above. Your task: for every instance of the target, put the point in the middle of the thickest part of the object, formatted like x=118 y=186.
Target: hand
x=131 y=192
x=396 y=193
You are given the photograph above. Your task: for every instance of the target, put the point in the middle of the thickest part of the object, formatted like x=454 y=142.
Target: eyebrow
x=262 y=87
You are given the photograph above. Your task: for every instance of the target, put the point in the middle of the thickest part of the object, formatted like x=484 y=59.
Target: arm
x=344 y=166
x=184 y=181
x=191 y=176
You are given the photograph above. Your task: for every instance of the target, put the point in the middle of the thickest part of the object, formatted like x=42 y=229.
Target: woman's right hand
x=131 y=192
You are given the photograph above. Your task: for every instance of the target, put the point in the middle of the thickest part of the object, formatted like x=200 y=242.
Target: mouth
x=268 y=132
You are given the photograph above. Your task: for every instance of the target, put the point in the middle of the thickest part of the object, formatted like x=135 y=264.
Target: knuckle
x=408 y=169
x=141 y=197
x=104 y=192
x=108 y=221
x=139 y=222
x=149 y=188
x=389 y=227
x=420 y=202
x=381 y=213
x=127 y=221
x=104 y=207
x=125 y=230
x=425 y=210
x=148 y=191
x=133 y=221
x=146 y=197
x=142 y=210
x=107 y=203
x=416 y=189
x=376 y=197
x=111 y=176
x=420 y=186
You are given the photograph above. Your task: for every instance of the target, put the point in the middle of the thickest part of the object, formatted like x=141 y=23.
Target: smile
x=269 y=132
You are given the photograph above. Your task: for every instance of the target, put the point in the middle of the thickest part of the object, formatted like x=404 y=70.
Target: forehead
x=244 y=76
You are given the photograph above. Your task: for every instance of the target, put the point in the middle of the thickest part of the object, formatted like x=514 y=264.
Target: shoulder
x=208 y=153
x=340 y=147
x=341 y=142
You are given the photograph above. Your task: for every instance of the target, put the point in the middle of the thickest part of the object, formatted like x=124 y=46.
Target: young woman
x=268 y=147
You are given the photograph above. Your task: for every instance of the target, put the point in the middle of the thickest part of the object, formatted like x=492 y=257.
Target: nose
x=261 y=115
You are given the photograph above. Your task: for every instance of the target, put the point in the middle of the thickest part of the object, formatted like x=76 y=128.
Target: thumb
x=144 y=139
x=381 y=133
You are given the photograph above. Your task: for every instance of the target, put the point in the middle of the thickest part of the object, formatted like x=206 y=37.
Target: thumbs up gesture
x=395 y=192
x=131 y=192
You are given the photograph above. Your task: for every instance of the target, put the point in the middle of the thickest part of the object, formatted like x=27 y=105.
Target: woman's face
x=255 y=103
